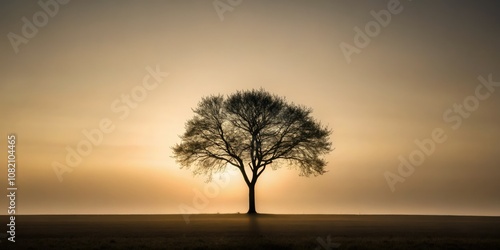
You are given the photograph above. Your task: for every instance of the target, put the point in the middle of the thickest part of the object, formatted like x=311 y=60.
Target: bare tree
x=254 y=128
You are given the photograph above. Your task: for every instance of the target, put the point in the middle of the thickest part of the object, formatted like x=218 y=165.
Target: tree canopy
x=251 y=130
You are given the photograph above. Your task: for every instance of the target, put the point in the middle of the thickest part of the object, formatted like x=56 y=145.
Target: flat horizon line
x=315 y=214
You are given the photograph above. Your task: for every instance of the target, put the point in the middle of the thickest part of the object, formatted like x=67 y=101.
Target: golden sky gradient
x=90 y=53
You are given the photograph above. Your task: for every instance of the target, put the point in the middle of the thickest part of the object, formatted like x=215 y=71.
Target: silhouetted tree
x=256 y=128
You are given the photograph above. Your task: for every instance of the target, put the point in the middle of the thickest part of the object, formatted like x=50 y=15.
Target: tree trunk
x=251 y=199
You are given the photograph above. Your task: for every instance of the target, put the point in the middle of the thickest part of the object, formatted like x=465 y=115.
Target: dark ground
x=261 y=232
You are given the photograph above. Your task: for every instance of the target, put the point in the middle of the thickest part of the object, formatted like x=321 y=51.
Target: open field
x=254 y=232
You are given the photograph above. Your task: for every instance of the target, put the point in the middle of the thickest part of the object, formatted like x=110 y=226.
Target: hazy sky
x=70 y=69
